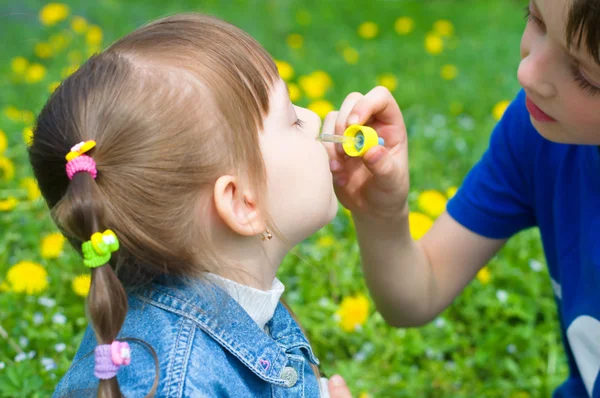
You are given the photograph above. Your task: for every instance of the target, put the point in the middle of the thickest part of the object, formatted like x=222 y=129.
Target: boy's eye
x=532 y=18
x=299 y=123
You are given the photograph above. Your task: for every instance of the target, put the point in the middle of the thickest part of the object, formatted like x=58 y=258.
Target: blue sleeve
x=496 y=198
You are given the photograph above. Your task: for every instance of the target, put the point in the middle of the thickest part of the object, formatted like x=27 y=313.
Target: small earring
x=267 y=235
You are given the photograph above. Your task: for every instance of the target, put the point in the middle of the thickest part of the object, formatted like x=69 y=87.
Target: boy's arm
x=412 y=282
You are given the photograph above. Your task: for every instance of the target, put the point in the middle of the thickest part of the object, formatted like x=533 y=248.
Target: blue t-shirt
x=525 y=180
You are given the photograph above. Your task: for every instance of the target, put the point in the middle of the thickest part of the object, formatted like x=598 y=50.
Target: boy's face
x=563 y=87
x=299 y=182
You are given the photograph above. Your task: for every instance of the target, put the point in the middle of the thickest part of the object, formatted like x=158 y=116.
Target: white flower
x=48 y=364
x=438 y=121
x=20 y=357
x=360 y=356
x=450 y=365
x=511 y=348
x=2 y=365
x=324 y=302
x=47 y=302
x=440 y=323
x=502 y=296
x=59 y=319
x=466 y=123
x=536 y=265
x=429 y=353
x=395 y=378
x=23 y=341
x=31 y=354
x=38 y=318
x=60 y=347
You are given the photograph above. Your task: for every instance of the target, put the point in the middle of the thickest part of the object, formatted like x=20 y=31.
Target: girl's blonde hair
x=172 y=107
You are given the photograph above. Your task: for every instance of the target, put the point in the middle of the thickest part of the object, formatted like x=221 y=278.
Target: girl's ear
x=237 y=209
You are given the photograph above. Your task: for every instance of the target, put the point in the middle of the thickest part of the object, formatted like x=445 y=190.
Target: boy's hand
x=338 y=388
x=375 y=186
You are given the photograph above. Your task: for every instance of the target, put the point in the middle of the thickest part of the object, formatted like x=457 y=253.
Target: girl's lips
x=537 y=113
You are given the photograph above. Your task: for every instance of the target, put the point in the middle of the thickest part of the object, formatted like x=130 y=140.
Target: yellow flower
x=43 y=50
x=12 y=113
x=68 y=71
x=286 y=71
x=58 y=41
x=419 y=224
x=33 y=191
x=91 y=50
x=449 y=72
x=3 y=142
x=8 y=204
x=321 y=108
x=79 y=24
x=7 y=169
x=303 y=18
x=325 y=241
x=350 y=55
x=27 y=117
x=368 y=30
x=443 y=27
x=81 y=284
x=484 y=276
x=432 y=202
x=53 y=86
x=364 y=395
x=316 y=84
x=353 y=312
x=52 y=245
x=294 y=92
x=27 y=277
x=404 y=25
x=295 y=41
x=388 y=80
x=53 y=13
x=456 y=108
x=433 y=44
x=19 y=65
x=451 y=191
x=94 y=35
x=28 y=136
x=35 y=73
x=499 y=109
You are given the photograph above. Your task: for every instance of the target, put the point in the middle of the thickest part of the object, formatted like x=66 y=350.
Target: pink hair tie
x=79 y=164
x=108 y=358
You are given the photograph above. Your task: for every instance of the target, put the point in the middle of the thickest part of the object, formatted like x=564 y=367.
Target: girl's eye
x=531 y=18
x=582 y=81
x=299 y=123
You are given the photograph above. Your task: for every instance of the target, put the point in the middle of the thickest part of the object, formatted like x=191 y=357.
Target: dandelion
x=443 y=28
x=499 y=109
x=19 y=65
x=7 y=169
x=60 y=347
x=53 y=86
x=353 y=312
x=449 y=72
x=3 y=142
x=59 y=319
x=321 y=107
x=325 y=241
x=303 y=18
x=419 y=224
x=46 y=302
x=350 y=55
x=286 y=71
x=79 y=24
x=35 y=73
x=404 y=25
x=502 y=296
x=294 y=92
x=432 y=202
x=484 y=276
x=433 y=44
x=27 y=277
x=368 y=30
x=8 y=204
x=451 y=191
x=388 y=81
x=81 y=285
x=68 y=71
x=94 y=35
x=316 y=84
x=53 y=13
x=295 y=41
x=28 y=136
x=43 y=50
x=12 y=113
x=59 y=41
x=52 y=245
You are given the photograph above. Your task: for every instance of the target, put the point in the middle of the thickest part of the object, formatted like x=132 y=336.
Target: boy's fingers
x=338 y=388
x=387 y=172
x=340 y=124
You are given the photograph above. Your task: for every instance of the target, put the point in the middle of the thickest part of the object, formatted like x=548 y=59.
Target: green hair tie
x=97 y=251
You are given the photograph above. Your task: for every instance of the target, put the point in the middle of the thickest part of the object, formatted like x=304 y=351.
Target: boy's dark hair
x=583 y=27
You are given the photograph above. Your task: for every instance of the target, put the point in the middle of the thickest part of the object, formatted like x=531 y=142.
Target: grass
x=499 y=338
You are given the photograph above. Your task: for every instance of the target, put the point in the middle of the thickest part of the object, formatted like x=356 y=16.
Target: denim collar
x=222 y=318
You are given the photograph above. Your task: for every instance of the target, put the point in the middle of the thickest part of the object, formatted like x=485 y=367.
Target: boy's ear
x=237 y=209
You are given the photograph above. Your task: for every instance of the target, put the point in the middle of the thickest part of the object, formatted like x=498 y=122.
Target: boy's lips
x=537 y=113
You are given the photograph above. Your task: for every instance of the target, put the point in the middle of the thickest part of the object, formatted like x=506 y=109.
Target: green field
x=449 y=63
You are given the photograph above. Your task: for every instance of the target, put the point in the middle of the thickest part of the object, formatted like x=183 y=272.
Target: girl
x=177 y=164
x=541 y=169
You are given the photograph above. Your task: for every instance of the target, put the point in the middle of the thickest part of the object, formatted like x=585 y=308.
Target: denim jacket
x=207 y=346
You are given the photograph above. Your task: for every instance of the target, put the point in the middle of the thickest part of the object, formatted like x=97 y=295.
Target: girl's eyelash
x=582 y=81
x=299 y=123
x=530 y=18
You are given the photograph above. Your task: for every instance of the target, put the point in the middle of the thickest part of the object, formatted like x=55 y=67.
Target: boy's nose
x=534 y=77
